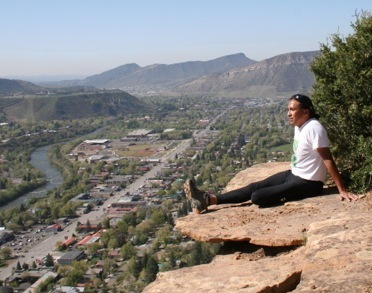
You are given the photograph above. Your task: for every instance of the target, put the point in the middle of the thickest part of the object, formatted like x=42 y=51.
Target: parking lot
x=25 y=241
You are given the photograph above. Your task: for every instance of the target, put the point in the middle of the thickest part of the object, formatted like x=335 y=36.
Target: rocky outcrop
x=317 y=244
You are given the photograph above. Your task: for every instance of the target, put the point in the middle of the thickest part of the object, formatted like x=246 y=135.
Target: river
x=39 y=159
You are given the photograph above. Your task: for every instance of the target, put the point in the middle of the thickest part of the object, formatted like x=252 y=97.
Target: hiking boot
x=199 y=199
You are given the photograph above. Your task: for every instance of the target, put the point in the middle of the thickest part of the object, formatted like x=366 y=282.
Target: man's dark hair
x=305 y=103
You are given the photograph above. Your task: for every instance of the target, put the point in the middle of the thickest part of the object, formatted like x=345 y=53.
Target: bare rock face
x=338 y=256
x=233 y=273
x=276 y=226
x=329 y=245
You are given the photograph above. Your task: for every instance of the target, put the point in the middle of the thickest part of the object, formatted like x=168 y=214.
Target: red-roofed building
x=113 y=253
x=68 y=242
x=90 y=239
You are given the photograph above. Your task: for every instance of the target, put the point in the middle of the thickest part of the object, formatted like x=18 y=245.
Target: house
x=101 y=193
x=118 y=181
x=113 y=254
x=96 y=158
x=71 y=256
x=42 y=279
x=68 y=242
x=139 y=134
x=90 y=239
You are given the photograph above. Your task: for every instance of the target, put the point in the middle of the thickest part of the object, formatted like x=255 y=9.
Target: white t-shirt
x=306 y=161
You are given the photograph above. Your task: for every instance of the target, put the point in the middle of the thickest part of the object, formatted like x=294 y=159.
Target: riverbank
x=53 y=177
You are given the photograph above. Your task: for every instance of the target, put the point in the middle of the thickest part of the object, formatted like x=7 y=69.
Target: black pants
x=283 y=186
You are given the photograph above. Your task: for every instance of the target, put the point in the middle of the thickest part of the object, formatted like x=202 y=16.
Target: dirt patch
x=138 y=150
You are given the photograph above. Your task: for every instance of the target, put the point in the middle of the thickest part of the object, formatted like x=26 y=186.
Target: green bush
x=342 y=95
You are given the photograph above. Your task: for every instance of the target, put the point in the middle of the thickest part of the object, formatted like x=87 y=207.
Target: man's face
x=297 y=116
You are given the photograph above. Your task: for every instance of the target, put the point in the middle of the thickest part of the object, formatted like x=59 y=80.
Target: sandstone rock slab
x=338 y=255
x=275 y=226
x=232 y=273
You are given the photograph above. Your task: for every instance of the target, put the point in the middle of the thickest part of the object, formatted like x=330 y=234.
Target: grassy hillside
x=71 y=106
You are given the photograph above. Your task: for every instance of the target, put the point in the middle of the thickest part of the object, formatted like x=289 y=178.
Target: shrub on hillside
x=342 y=94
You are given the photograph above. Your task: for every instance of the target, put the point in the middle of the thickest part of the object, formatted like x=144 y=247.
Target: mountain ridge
x=277 y=76
x=161 y=75
x=228 y=76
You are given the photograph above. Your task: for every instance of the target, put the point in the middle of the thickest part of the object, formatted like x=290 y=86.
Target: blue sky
x=85 y=37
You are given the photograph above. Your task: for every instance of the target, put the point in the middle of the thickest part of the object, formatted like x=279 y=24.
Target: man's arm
x=328 y=160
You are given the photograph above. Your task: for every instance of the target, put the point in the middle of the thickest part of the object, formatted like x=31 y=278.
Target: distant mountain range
x=114 y=91
x=162 y=75
x=228 y=76
x=281 y=75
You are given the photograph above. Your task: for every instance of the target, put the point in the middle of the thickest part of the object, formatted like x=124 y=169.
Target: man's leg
x=294 y=188
x=244 y=194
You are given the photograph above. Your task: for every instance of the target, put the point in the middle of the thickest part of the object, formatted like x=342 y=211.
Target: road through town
x=48 y=243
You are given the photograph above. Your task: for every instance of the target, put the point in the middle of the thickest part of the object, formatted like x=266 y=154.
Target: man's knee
x=264 y=200
x=257 y=199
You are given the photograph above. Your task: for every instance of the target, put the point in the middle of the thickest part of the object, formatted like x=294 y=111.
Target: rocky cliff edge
x=317 y=244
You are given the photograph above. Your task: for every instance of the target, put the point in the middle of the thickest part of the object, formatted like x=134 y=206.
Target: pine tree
x=18 y=267
x=196 y=254
x=25 y=266
x=172 y=259
x=49 y=262
x=170 y=219
x=151 y=269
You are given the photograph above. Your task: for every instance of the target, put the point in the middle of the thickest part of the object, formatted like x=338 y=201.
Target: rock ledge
x=329 y=245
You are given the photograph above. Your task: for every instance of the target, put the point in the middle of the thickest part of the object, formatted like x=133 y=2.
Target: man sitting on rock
x=309 y=164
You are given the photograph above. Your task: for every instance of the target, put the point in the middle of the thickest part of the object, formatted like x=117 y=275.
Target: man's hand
x=328 y=160
x=348 y=196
